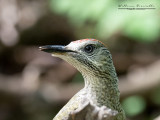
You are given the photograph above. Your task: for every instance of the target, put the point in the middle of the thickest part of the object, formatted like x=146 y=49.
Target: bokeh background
x=34 y=85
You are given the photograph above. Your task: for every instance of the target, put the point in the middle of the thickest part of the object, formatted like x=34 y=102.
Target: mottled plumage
x=94 y=61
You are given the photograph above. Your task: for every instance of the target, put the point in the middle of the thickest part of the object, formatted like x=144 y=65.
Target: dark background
x=34 y=85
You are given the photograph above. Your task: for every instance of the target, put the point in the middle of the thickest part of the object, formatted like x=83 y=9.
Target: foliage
x=105 y=19
x=134 y=105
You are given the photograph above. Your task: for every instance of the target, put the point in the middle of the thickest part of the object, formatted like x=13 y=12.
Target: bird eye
x=89 y=48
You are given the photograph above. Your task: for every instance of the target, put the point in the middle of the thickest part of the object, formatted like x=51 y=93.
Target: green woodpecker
x=94 y=61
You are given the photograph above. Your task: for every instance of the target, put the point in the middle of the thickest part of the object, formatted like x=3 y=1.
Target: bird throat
x=103 y=90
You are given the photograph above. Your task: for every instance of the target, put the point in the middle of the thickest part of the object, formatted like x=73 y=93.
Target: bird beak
x=58 y=49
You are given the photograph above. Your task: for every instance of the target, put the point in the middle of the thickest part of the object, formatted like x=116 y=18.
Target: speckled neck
x=102 y=89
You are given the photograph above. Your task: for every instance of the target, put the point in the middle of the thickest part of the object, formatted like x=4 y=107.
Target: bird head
x=89 y=56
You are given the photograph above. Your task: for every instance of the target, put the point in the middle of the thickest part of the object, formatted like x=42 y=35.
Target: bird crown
x=88 y=39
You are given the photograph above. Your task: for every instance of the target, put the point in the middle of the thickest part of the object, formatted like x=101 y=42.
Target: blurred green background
x=34 y=85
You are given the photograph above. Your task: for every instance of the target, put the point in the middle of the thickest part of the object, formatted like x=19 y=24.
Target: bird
x=93 y=60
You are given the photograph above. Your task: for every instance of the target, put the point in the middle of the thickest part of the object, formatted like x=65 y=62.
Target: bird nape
x=94 y=61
